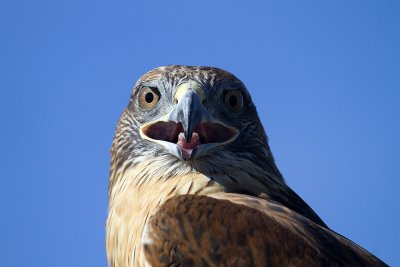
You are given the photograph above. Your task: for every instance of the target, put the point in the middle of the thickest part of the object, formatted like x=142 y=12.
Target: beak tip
x=188 y=136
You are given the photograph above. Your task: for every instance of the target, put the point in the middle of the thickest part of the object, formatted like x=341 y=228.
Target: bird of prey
x=193 y=183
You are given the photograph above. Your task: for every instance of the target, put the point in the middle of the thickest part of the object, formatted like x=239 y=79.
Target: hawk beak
x=190 y=113
x=188 y=131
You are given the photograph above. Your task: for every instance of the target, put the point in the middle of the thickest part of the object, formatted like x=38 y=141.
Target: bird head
x=191 y=119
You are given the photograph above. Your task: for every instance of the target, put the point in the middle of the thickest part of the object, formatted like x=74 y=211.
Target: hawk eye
x=233 y=100
x=148 y=97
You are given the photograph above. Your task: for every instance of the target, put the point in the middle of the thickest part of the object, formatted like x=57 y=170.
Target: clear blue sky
x=325 y=76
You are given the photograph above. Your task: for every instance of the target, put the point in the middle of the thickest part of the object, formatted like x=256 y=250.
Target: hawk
x=193 y=183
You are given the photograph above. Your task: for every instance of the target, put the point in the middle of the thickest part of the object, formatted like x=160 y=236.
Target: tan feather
x=132 y=204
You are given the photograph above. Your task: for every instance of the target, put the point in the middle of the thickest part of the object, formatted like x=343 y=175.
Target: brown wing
x=239 y=230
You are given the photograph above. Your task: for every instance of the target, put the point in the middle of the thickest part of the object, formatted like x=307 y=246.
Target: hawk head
x=186 y=119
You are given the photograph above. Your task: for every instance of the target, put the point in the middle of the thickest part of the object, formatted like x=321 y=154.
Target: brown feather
x=239 y=230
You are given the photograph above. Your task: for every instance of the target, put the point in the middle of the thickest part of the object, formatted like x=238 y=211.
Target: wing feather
x=239 y=230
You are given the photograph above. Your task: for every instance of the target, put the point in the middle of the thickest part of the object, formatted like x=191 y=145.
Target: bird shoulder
x=228 y=229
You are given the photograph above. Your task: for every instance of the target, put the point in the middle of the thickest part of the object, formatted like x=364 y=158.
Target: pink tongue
x=195 y=141
x=186 y=147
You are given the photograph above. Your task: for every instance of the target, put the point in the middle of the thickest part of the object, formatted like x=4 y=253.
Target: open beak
x=188 y=131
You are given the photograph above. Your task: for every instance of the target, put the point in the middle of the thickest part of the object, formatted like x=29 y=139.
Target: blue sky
x=324 y=76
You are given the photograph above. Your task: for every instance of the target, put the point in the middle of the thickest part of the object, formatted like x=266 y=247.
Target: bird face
x=191 y=113
x=188 y=130
x=183 y=119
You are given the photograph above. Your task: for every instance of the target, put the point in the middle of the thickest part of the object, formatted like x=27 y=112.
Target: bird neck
x=134 y=200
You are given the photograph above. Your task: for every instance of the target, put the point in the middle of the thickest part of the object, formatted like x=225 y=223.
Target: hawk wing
x=239 y=230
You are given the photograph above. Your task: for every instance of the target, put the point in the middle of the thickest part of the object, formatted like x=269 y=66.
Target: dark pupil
x=149 y=97
x=232 y=100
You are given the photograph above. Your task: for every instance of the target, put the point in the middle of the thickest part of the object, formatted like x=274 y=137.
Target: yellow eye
x=148 y=97
x=233 y=100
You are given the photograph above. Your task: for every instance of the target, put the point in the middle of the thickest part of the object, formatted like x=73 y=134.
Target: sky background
x=324 y=75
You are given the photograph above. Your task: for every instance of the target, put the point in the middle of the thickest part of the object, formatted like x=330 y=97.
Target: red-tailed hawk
x=193 y=183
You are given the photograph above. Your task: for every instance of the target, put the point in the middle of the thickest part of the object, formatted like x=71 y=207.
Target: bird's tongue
x=187 y=147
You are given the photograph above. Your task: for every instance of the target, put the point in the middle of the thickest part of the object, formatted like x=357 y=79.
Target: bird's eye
x=148 y=97
x=233 y=100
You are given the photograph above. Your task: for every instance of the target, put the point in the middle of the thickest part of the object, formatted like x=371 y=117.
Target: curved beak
x=188 y=131
x=189 y=112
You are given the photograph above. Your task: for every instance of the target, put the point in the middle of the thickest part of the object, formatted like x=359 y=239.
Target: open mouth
x=204 y=133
